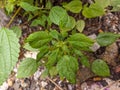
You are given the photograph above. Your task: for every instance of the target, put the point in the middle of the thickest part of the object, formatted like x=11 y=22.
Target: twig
x=11 y=20
x=110 y=85
x=54 y=83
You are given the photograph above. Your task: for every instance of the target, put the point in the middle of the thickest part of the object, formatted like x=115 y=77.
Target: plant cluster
x=58 y=49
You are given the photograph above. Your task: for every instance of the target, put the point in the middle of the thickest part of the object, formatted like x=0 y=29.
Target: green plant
x=60 y=48
x=58 y=51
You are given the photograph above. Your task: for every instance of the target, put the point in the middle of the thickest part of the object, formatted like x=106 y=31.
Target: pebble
x=43 y=83
x=23 y=84
x=10 y=82
x=4 y=86
x=95 y=46
x=69 y=87
x=37 y=75
x=29 y=54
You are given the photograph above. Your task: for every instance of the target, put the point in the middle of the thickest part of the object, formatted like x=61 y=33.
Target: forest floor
x=86 y=80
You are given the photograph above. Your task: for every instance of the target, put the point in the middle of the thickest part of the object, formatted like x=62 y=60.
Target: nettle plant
x=58 y=49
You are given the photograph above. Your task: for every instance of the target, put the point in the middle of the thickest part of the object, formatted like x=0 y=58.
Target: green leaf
x=65 y=49
x=115 y=4
x=105 y=39
x=67 y=24
x=28 y=7
x=39 y=21
x=28 y=47
x=67 y=67
x=80 y=41
x=55 y=34
x=27 y=68
x=52 y=59
x=103 y=3
x=57 y=13
x=17 y=30
x=48 y=4
x=9 y=7
x=38 y=39
x=9 y=52
x=83 y=59
x=53 y=71
x=44 y=74
x=93 y=10
x=64 y=35
x=74 y=6
x=43 y=51
x=99 y=67
x=80 y=25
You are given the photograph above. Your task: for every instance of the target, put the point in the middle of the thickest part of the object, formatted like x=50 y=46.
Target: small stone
x=37 y=75
x=4 y=86
x=10 y=82
x=37 y=88
x=31 y=54
x=93 y=36
x=95 y=47
x=69 y=87
x=43 y=83
x=23 y=84
x=84 y=86
x=15 y=69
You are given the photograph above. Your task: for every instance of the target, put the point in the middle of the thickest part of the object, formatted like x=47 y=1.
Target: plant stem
x=54 y=83
x=11 y=20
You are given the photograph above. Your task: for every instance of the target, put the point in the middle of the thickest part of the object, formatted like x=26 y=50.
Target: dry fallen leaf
x=110 y=54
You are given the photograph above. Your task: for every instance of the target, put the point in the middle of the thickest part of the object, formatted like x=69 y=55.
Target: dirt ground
x=86 y=80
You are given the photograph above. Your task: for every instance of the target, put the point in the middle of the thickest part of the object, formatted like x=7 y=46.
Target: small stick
x=110 y=85
x=11 y=20
x=54 y=83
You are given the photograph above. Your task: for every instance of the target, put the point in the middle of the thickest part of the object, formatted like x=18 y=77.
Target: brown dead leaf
x=110 y=54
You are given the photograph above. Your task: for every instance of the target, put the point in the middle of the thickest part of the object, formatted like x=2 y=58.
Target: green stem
x=11 y=20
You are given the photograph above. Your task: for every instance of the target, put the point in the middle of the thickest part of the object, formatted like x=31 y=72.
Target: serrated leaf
x=43 y=51
x=83 y=59
x=80 y=41
x=39 y=21
x=93 y=10
x=52 y=59
x=67 y=68
x=9 y=52
x=57 y=13
x=55 y=34
x=80 y=25
x=74 y=6
x=38 y=39
x=67 y=24
x=99 y=67
x=27 y=68
x=28 y=7
x=17 y=30
x=105 y=39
